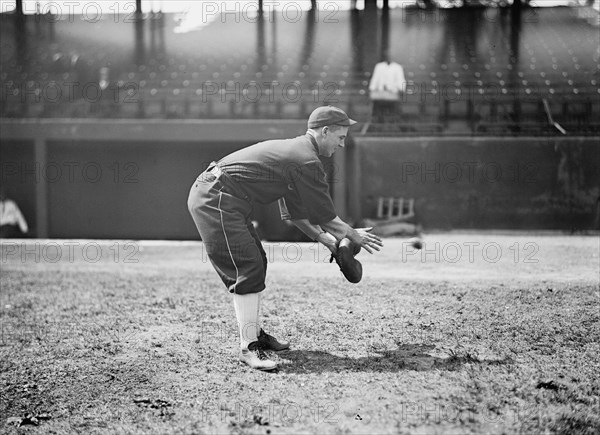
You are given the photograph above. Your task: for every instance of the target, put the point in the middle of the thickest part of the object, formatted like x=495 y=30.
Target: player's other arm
x=315 y=232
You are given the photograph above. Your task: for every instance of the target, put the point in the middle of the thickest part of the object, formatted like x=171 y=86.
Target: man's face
x=331 y=140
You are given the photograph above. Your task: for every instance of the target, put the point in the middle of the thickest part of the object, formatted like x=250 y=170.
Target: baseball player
x=288 y=171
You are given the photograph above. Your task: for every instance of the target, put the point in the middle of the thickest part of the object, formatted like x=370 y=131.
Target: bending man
x=288 y=171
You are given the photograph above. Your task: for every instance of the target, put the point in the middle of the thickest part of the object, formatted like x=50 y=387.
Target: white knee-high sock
x=258 y=307
x=246 y=311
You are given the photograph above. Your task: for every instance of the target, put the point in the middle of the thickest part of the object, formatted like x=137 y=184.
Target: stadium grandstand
x=474 y=69
x=478 y=70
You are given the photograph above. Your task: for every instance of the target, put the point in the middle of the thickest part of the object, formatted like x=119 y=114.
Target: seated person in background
x=12 y=222
x=387 y=82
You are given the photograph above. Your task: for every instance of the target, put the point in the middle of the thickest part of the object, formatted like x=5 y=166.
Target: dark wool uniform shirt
x=287 y=170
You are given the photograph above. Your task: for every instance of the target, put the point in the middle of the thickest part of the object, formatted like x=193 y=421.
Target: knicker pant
x=232 y=244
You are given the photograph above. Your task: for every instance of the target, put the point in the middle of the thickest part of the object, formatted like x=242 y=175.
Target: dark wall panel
x=135 y=189
x=125 y=190
x=531 y=183
x=19 y=175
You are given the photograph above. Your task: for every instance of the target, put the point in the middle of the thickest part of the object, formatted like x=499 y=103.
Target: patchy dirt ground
x=473 y=334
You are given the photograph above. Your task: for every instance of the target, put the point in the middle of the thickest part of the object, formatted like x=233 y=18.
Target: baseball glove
x=344 y=257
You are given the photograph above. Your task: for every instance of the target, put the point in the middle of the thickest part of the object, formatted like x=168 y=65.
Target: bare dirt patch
x=473 y=334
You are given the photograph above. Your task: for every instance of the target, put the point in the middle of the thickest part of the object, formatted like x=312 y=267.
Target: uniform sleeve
x=309 y=195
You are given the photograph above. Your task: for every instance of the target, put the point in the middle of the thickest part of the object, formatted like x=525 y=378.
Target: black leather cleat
x=271 y=343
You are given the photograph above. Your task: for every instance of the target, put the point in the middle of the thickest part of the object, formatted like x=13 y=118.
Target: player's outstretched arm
x=315 y=232
x=361 y=236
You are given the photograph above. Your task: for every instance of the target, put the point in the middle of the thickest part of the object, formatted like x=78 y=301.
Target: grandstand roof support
x=261 y=49
x=372 y=32
x=138 y=7
x=357 y=42
x=517 y=5
x=370 y=4
x=308 y=46
x=385 y=35
x=20 y=35
x=19 y=7
x=140 y=45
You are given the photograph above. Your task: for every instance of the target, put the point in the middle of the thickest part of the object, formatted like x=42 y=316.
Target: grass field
x=477 y=333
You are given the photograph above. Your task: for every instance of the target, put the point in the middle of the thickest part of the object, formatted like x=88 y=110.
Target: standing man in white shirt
x=385 y=89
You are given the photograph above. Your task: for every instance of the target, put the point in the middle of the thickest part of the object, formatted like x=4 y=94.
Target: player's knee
x=192 y=205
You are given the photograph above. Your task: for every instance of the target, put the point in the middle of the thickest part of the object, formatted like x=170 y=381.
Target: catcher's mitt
x=344 y=257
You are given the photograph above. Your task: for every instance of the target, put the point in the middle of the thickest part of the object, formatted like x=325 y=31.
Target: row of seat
x=162 y=77
x=166 y=105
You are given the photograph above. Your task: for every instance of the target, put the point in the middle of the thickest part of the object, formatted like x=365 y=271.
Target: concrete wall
x=130 y=179
x=102 y=189
x=121 y=179
x=511 y=183
x=15 y=180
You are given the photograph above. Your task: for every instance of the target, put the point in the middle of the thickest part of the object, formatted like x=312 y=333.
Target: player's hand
x=368 y=240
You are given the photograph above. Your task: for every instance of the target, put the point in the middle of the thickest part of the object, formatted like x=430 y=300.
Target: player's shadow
x=406 y=357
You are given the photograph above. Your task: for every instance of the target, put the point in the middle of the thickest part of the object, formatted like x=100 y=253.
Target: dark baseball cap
x=329 y=115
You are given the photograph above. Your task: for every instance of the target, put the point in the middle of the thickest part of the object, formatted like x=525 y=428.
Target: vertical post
x=21 y=36
x=370 y=4
x=380 y=207
x=339 y=184
x=138 y=7
x=385 y=35
x=354 y=177
x=41 y=189
x=390 y=210
x=411 y=207
x=372 y=33
x=274 y=37
x=140 y=45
